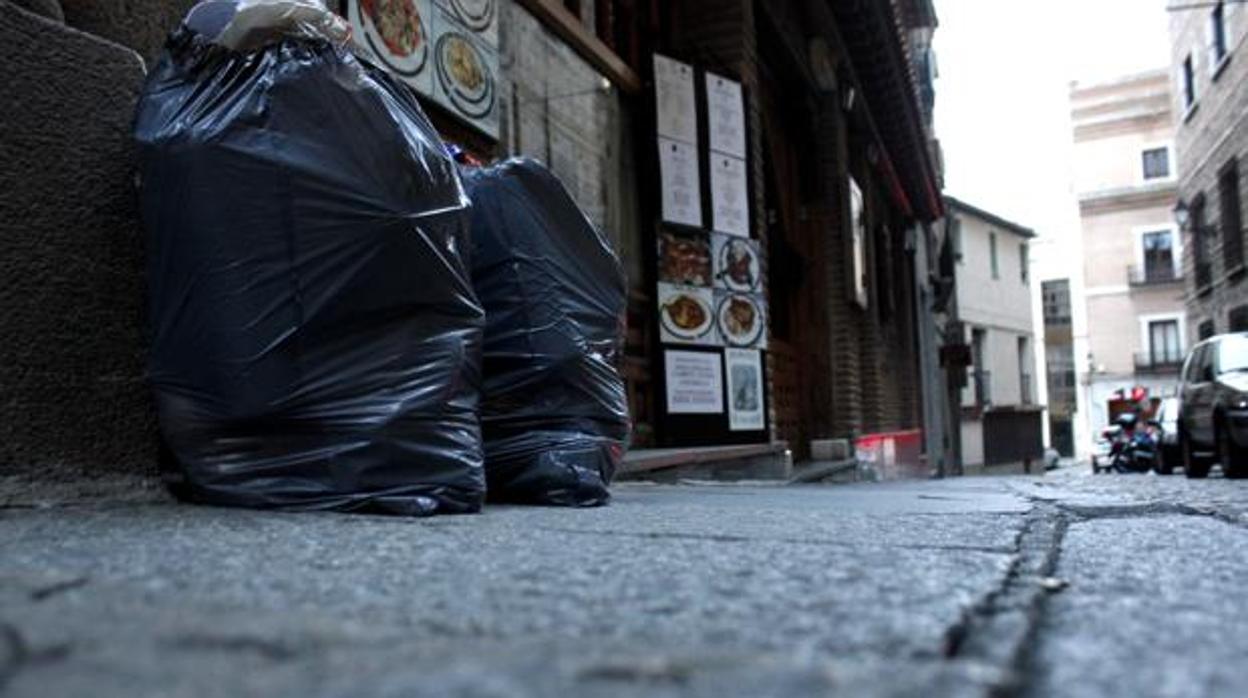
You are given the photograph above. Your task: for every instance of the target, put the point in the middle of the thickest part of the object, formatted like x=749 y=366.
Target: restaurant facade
x=766 y=172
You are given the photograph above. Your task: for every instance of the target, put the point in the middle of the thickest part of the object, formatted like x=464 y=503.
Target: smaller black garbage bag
x=553 y=408
x=315 y=338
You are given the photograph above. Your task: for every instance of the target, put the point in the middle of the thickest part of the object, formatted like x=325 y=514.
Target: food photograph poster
x=447 y=50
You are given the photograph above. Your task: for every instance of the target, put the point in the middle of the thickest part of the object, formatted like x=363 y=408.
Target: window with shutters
x=1218 y=44
x=1232 y=227
x=1156 y=162
x=1187 y=80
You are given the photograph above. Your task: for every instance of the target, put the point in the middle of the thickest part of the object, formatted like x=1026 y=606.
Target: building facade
x=837 y=162
x=1001 y=425
x=1124 y=171
x=1210 y=72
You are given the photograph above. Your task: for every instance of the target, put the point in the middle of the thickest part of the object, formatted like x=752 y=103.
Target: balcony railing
x=1149 y=275
x=1158 y=362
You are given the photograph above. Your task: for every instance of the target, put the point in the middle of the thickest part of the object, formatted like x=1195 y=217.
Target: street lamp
x=1182 y=215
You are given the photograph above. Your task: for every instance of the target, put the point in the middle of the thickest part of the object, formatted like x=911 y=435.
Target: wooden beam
x=568 y=27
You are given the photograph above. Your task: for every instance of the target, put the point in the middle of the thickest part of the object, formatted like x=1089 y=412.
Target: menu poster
x=745 y=389
x=730 y=205
x=695 y=382
x=677 y=113
x=725 y=116
x=687 y=315
x=680 y=183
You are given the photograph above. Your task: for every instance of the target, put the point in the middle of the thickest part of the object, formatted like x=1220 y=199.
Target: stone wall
x=557 y=108
x=72 y=397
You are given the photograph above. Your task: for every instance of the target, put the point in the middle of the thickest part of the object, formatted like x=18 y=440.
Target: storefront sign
x=694 y=382
x=447 y=50
x=745 y=389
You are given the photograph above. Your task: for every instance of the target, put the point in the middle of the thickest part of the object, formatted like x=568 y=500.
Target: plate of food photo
x=686 y=316
x=740 y=320
x=464 y=75
x=684 y=260
x=477 y=15
x=739 y=267
x=395 y=32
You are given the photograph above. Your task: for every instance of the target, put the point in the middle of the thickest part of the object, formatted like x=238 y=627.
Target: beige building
x=1135 y=330
x=1001 y=417
x=1211 y=97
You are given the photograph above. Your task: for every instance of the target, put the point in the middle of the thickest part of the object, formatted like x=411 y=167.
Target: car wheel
x=1231 y=457
x=1193 y=467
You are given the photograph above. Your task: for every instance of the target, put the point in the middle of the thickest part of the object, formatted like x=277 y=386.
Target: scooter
x=1133 y=449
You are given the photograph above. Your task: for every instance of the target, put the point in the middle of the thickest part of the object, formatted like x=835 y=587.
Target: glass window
x=1217 y=36
x=1056 y=295
x=1232 y=354
x=1022 y=262
x=1232 y=221
x=1156 y=163
x=1158 y=255
x=992 y=254
x=1188 y=77
x=1163 y=342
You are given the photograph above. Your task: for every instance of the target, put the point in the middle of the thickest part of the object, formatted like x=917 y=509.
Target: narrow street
x=1067 y=584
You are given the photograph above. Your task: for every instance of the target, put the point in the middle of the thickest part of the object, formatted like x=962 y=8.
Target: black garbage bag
x=315 y=337
x=553 y=408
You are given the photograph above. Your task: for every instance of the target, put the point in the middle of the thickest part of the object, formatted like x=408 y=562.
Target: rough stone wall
x=72 y=396
x=140 y=24
x=557 y=108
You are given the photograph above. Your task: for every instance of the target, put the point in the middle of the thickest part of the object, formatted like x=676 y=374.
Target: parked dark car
x=1213 y=413
x=1167 y=421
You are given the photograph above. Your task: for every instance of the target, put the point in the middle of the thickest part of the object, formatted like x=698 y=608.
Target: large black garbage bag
x=315 y=338
x=553 y=407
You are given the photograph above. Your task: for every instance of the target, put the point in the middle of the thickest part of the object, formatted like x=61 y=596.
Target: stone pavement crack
x=51 y=590
x=1001 y=628
x=724 y=538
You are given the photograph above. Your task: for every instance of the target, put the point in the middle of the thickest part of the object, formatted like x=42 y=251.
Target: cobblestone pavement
x=1068 y=584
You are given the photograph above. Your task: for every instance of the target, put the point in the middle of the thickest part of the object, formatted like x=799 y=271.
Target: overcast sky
x=1001 y=99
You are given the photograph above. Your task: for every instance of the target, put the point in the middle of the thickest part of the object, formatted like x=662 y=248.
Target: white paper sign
x=745 y=389
x=682 y=188
x=725 y=116
x=695 y=384
x=729 y=198
x=677 y=114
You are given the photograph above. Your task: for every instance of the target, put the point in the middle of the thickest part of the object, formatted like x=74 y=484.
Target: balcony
x=1149 y=275
x=1158 y=362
